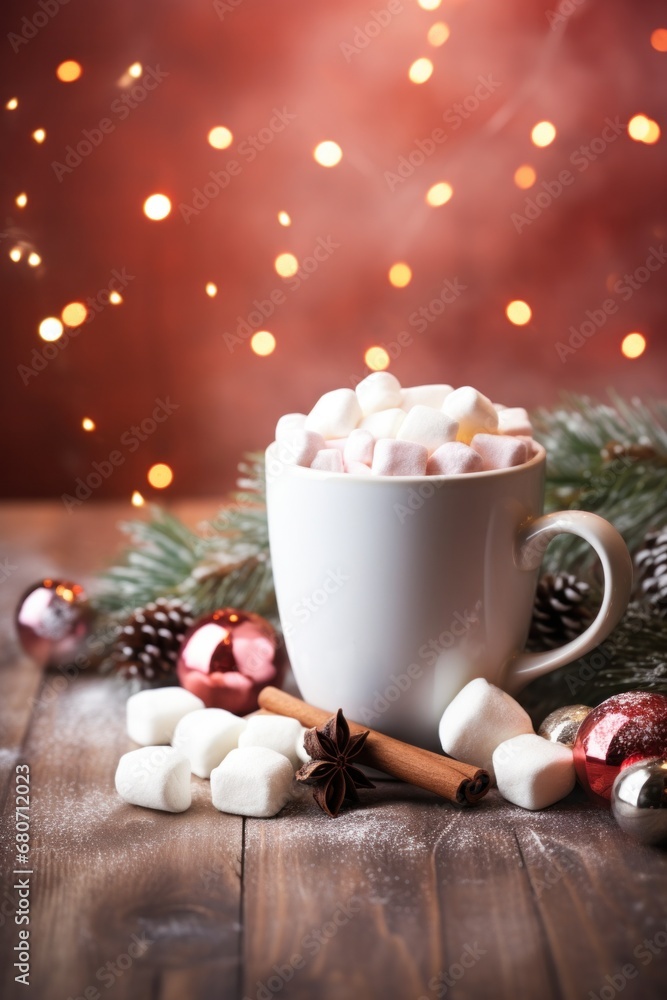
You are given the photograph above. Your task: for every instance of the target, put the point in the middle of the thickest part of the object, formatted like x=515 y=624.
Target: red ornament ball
x=52 y=620
x=228 y=657
x=625 y=728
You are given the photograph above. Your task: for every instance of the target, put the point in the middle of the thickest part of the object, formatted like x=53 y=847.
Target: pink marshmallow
x=337 y=443
x=453 y=459
x=300 y=448
x=399 y=458
x=499 y=451
x=514 y=420
x=358 y=469
x=359 y=447
x=328 y=460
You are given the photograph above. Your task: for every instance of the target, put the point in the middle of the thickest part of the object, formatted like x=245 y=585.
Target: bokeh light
x=439 y=194
x=137 y=499
x=220 y=137
x=438 y=34
x=115 y=298
x=643 y=129
x=284 y=219
x=50 y=328
x=69 y=71
x=157 y=207
x=376 y=358
x=400 y=275
x=518 y=312
x=429 y=4
x=34 y=260
x=633 y=345
x=160 y=475
x=39 y=135
x=211 y=289
x=21 y=199
x=421 y=70
x=543 y=134
x=286 y=265
x=263 y=343
x=12 y=104
x=524 y=176
x=135 y=70
x=659 y=39
x=74 y=314
x=328 y=153
x=88 y=424
x=15 y=254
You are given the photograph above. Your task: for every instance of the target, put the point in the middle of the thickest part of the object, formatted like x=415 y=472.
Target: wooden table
x=403 y=897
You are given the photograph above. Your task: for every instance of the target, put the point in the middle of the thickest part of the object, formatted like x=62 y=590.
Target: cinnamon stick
x=452 y=780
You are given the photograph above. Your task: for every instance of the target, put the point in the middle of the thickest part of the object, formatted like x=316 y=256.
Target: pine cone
x=561 y=611
x=651 y=567
x=150 y=640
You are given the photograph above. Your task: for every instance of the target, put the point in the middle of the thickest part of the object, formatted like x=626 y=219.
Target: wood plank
x=108 y=874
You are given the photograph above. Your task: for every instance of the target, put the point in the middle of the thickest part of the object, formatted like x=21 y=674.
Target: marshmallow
x=427 y=426
x=358 y=469
x=301 y=751
x=532 y=772
x=399 y=458
x=479 y=719
x=328 y=460
x=473 y=411
x=156 y=778
x=152 y=715
x=289 y=423
x=337 y=443
x=299 y=448
x=453 y=459
x=424 y=395
x=378 y=391
x=275 y=732
x=499 y=451
x=514 y=420
x=335 y=414
x=359 y=447
x=252 y=781
x=206 y=737
x=384 y=424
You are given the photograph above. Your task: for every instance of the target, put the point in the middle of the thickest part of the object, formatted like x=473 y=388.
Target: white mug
x=395 y=591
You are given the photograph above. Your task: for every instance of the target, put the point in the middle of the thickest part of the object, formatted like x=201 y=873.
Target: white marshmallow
x=454 y=459
x=328 y=460
x=499 y=451
x=252 y=781
x=427 y=426
x=205 y=737
x=156 y=778
x=335 y=414
x=299 y=447
x=479 y=719
x=473 y=411
x=378 y=391
x=152 y=715
x=384 y=424
x=359 y=447
x=532 y=772
x=425 y=395
x=289 y=423
x=275 y=732
x=358 y=469
x=399 y=458
x=514 y=420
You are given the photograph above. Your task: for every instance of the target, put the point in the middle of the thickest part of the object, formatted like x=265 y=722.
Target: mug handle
x=532 y=542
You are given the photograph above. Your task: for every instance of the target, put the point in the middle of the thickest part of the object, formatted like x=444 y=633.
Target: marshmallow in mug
x=381 y=429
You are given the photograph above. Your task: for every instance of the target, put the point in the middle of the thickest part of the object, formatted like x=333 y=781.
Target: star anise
x=331 y=769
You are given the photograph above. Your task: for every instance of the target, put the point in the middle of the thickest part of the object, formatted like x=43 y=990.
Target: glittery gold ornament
x=562 y=725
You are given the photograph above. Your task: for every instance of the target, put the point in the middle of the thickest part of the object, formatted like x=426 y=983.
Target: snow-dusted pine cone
x=561 y=611
x=651 y=571
x=149 y=642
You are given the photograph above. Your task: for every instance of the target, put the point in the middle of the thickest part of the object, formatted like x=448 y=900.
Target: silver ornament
x=639 y=800
x=562 y=725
